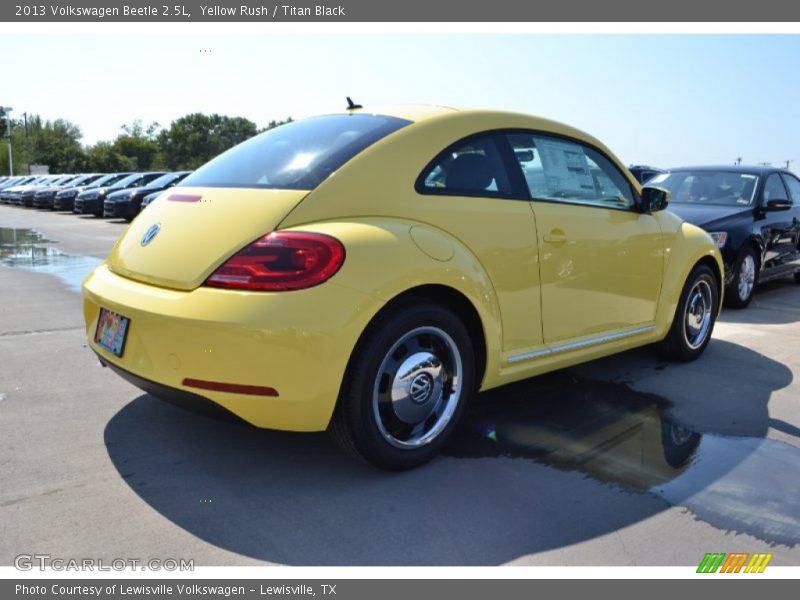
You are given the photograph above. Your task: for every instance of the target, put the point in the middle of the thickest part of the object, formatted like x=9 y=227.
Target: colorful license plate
x=111 y=332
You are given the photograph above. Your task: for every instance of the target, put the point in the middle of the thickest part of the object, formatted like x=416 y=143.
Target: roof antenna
x=352 y=105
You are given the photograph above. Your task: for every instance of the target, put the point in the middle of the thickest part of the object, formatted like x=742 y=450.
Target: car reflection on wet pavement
x=28 y=249
x=620 y=436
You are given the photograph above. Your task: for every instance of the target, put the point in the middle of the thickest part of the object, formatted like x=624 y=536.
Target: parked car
x=65 y=199
x=127 y=203
x=366 y=273
x=644 y=173
x=45 y=197
x=27 y=197
x=91 y=201
x=753 y=214
x=13 y=195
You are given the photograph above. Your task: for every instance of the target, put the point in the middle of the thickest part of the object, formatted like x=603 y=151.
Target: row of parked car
x=120 y=195
x=752 y=213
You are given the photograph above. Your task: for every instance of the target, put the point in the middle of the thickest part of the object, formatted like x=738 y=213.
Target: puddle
x=28 y=249
x=616 y=435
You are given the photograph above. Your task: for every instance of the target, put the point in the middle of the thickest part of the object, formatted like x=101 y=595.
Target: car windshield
x=724 y=188
x=107 y=180
x=126 y=182
x=164 y=181
x=296 y=156
x=80 y=180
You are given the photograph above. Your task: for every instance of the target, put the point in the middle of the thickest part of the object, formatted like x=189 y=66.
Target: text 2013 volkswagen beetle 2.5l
x=367 y=273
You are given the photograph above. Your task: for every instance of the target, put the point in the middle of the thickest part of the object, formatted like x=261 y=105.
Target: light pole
x=8 y=109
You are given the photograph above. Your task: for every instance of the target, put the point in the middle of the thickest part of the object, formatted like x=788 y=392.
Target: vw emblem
x=421 y=387
x=150 y=234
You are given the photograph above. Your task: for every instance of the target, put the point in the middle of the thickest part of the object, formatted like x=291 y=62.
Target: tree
x=103 y=157
x=196 y=138
x=56 y=144
x=138 y=144
x=273 y=124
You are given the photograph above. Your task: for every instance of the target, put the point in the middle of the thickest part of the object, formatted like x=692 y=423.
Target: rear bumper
x=180 y=398
x=297 y=343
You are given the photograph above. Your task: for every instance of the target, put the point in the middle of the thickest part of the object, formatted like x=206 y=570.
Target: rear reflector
x=233 y=388
x=184 y=198
x=281 y=261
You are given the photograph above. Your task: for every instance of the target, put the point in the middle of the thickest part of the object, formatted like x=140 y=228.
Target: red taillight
x=281 y=261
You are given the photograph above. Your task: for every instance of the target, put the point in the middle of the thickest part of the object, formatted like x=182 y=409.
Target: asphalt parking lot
x=624 y=461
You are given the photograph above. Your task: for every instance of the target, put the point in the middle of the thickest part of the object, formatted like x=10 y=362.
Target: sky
x=665 y=100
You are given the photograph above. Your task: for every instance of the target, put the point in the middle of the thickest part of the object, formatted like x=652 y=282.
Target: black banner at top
x=442 y=11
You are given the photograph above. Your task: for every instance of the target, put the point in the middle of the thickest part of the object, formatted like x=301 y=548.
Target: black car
x=65 y=199
x=45 y=197
x=27 y=197
x=752 y=213
x=644 y=173
x=127 y=203
x=91 y=201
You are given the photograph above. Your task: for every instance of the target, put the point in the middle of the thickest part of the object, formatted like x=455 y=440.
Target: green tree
x=273 y=124
x=196 y=138
x=138 y=144
x=56 y=144
x=52 y=143
x=103 y=157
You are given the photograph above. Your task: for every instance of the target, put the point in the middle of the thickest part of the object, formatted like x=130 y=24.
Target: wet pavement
x=626 y=460
x=29 y=249
x=614 y=434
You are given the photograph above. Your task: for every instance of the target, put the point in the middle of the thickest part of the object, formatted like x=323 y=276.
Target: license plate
x=111 y=332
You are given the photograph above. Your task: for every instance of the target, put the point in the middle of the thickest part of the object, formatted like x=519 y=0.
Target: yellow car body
x=541 y=285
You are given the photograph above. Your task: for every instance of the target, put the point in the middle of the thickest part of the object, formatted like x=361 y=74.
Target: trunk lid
x=192 y=231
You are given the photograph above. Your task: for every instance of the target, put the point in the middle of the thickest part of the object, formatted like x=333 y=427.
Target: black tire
x=740 y=291
x=700 y=292
x=369 y=423
x=797 y=276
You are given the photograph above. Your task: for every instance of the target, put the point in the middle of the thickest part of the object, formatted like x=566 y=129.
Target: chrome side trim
x=600 y=339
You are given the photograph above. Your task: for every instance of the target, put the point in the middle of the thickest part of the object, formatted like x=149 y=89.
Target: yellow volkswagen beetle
x=367 y=273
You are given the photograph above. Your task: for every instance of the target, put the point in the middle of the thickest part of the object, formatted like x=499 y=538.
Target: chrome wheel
x=417 y=388
x=747 y=277
x=698 y=314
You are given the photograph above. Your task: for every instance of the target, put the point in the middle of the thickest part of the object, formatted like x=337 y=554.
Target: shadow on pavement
x=537 y=465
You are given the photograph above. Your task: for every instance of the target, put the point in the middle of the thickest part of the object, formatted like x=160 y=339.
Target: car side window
x=472 y=167
x=793 y=185
x=563 y=170
x=774 y=189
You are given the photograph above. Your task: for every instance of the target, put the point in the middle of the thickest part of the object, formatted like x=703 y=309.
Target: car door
x=778 y=228
x=793 y=187
x=467 y=191
x=601 y=260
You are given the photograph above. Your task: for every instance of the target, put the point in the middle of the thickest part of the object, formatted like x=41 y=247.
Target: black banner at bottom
x=383 y=589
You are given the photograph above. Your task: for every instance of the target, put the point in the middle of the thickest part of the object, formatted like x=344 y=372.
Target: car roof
x=752 y=169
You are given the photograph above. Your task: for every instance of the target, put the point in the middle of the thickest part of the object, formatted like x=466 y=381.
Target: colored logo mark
x=736 y=562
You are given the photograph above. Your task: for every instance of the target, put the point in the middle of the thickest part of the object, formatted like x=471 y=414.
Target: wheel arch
x=445 y=296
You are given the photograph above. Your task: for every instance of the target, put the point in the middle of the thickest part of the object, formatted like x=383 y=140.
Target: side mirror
x=778 y=204
x=654 y=199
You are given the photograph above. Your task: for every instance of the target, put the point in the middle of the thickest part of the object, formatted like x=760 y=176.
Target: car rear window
x=296 y=156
